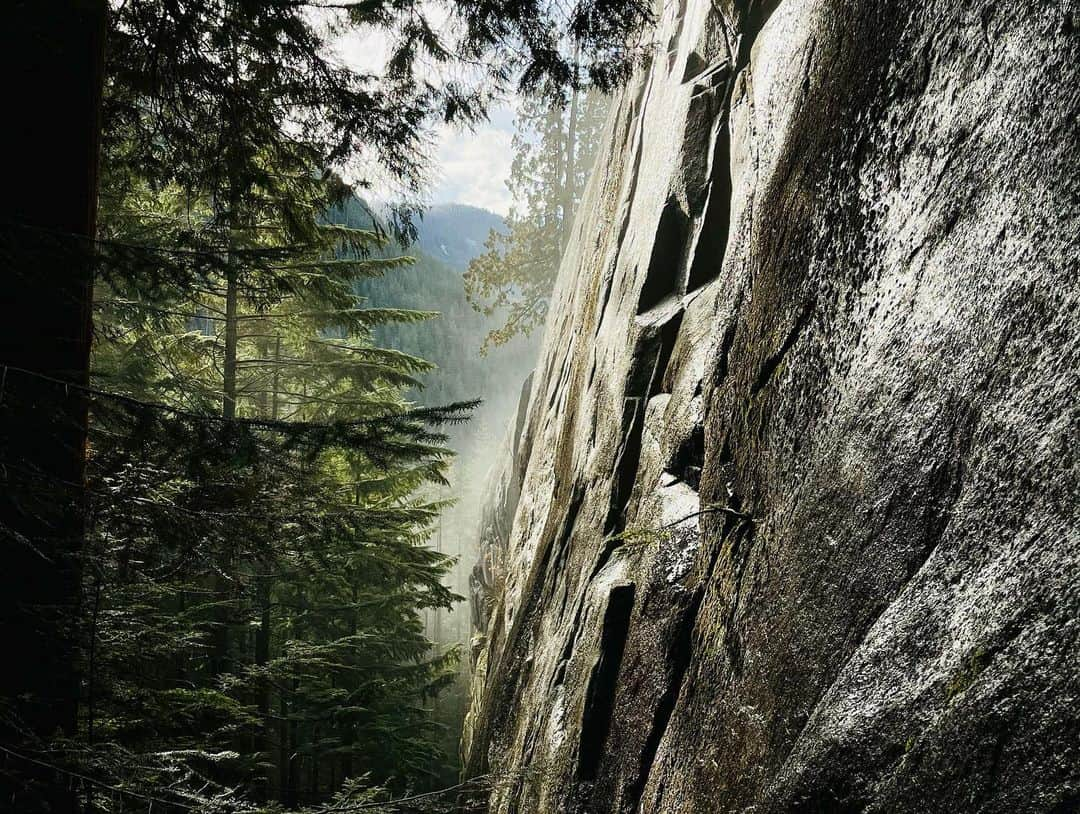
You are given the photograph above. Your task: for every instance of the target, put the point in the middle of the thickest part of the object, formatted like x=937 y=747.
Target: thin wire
x=400 y=800
x=101 y=783
x=324 y=810
x=422 y=414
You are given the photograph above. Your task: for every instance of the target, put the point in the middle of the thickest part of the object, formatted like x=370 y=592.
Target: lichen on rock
x=818 y=324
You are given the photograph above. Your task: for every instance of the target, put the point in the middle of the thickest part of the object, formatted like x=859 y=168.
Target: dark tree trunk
x=220 y=638
x=570 y=159
x=291 y=797
x=52 y=70
x=265 y=739
x=284 y=749
x=228 y=401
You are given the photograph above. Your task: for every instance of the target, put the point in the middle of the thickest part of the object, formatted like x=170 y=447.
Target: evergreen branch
x=95 y=782
x=429 y=415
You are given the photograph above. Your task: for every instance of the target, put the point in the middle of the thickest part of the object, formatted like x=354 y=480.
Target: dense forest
x=229 y=414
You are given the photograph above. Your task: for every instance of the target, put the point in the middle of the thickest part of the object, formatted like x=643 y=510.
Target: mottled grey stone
x=793 y=522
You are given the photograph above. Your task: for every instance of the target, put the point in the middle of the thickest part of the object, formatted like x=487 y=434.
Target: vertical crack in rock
x=711 y=248
x=553 y=564
x=600 y=693
x=611 y=544
x=720 y=80
x=770 y=366
x=726 y=341
x=626 y=465
x=638 y=147
x=644 y=381
x=663 y=275
x=679 y=658
x=669 y=335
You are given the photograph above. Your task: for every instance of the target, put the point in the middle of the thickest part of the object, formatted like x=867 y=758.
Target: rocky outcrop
x=488 y=578
x=797 y=524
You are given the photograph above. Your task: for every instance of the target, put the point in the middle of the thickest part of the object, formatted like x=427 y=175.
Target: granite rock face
x=791 y=514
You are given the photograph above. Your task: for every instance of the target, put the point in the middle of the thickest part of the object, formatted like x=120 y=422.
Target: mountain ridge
x=455 y=233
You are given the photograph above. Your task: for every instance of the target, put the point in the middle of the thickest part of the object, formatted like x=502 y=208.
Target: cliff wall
x=790 y=520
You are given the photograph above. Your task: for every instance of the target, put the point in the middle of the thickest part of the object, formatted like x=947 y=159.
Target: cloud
x=470 y=167
x=473 y=167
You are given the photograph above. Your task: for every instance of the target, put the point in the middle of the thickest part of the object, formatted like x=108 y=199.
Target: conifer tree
x=554 y=149
x=251 y=316
x=254 y=561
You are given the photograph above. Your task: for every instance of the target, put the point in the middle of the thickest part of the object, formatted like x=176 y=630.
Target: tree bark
x=284 y=749
x=291 y=798
x=262 y=659
x=219 y=661
x=264 y=740
x=53 y=72
x=228 y=400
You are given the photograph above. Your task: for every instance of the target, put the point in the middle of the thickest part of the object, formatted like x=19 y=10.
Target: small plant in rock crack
x=965 y=676
x=639 y=534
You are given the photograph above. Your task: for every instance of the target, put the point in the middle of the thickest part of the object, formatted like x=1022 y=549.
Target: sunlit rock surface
x=797 y=522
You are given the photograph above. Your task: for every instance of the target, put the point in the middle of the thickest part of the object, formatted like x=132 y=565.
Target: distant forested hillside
x=455 y=233
x=452 y=340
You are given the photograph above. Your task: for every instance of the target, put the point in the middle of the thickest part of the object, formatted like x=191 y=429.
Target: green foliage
x=968 y=672
x=525 y=39
x=305 y=537
x=451 y=341
x=255 y=560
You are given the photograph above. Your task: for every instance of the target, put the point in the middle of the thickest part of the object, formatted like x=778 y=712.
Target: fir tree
x=301 y=591
x=554 y=149
x=249 y=537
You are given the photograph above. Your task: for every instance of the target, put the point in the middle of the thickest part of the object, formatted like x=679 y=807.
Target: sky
x=473 y=166
x=470 y=166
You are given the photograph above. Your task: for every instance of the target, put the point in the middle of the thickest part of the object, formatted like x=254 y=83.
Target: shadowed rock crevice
x=662 y=279
x=600 y=694
x=689 y=458
x=679 y=646
x=644 y=381
x=555 y=557
x=770 y=366
x=713 y=237
x=679 y=650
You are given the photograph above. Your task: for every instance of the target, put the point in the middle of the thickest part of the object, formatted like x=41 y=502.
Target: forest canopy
x=218 y=493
